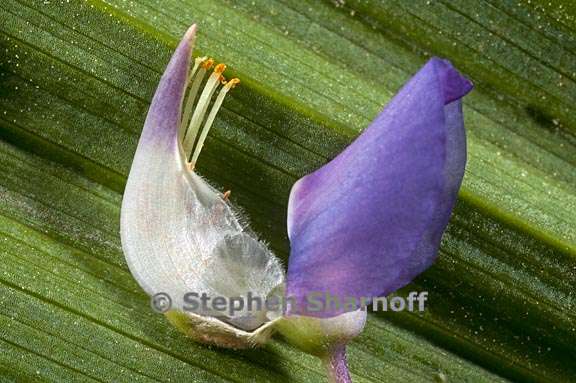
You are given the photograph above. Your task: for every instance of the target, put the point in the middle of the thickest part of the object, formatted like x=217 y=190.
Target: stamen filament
x=201 y=65
x=211 y=116
x=193 y=128
x=192 y=144
x=197 y=62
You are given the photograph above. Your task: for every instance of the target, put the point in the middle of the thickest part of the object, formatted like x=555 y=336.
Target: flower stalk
x=336 y=365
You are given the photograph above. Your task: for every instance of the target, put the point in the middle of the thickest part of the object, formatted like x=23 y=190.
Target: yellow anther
x=220 y=68
x=208 y=64
x=232 y=83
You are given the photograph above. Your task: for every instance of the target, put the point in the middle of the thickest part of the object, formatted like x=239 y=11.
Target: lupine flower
x=180 y=235
x=368 y=222
x=362 y=226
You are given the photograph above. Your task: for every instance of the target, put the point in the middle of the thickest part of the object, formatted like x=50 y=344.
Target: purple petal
x=163 y=119
x=154 y=190
x=369 y=221
x=180 y=235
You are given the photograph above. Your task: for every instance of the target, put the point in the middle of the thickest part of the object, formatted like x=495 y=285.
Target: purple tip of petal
x=453 y=83
x=163 y=120
x=369 y=221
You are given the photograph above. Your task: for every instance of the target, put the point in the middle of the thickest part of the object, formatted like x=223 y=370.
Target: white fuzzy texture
x=179 y=235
